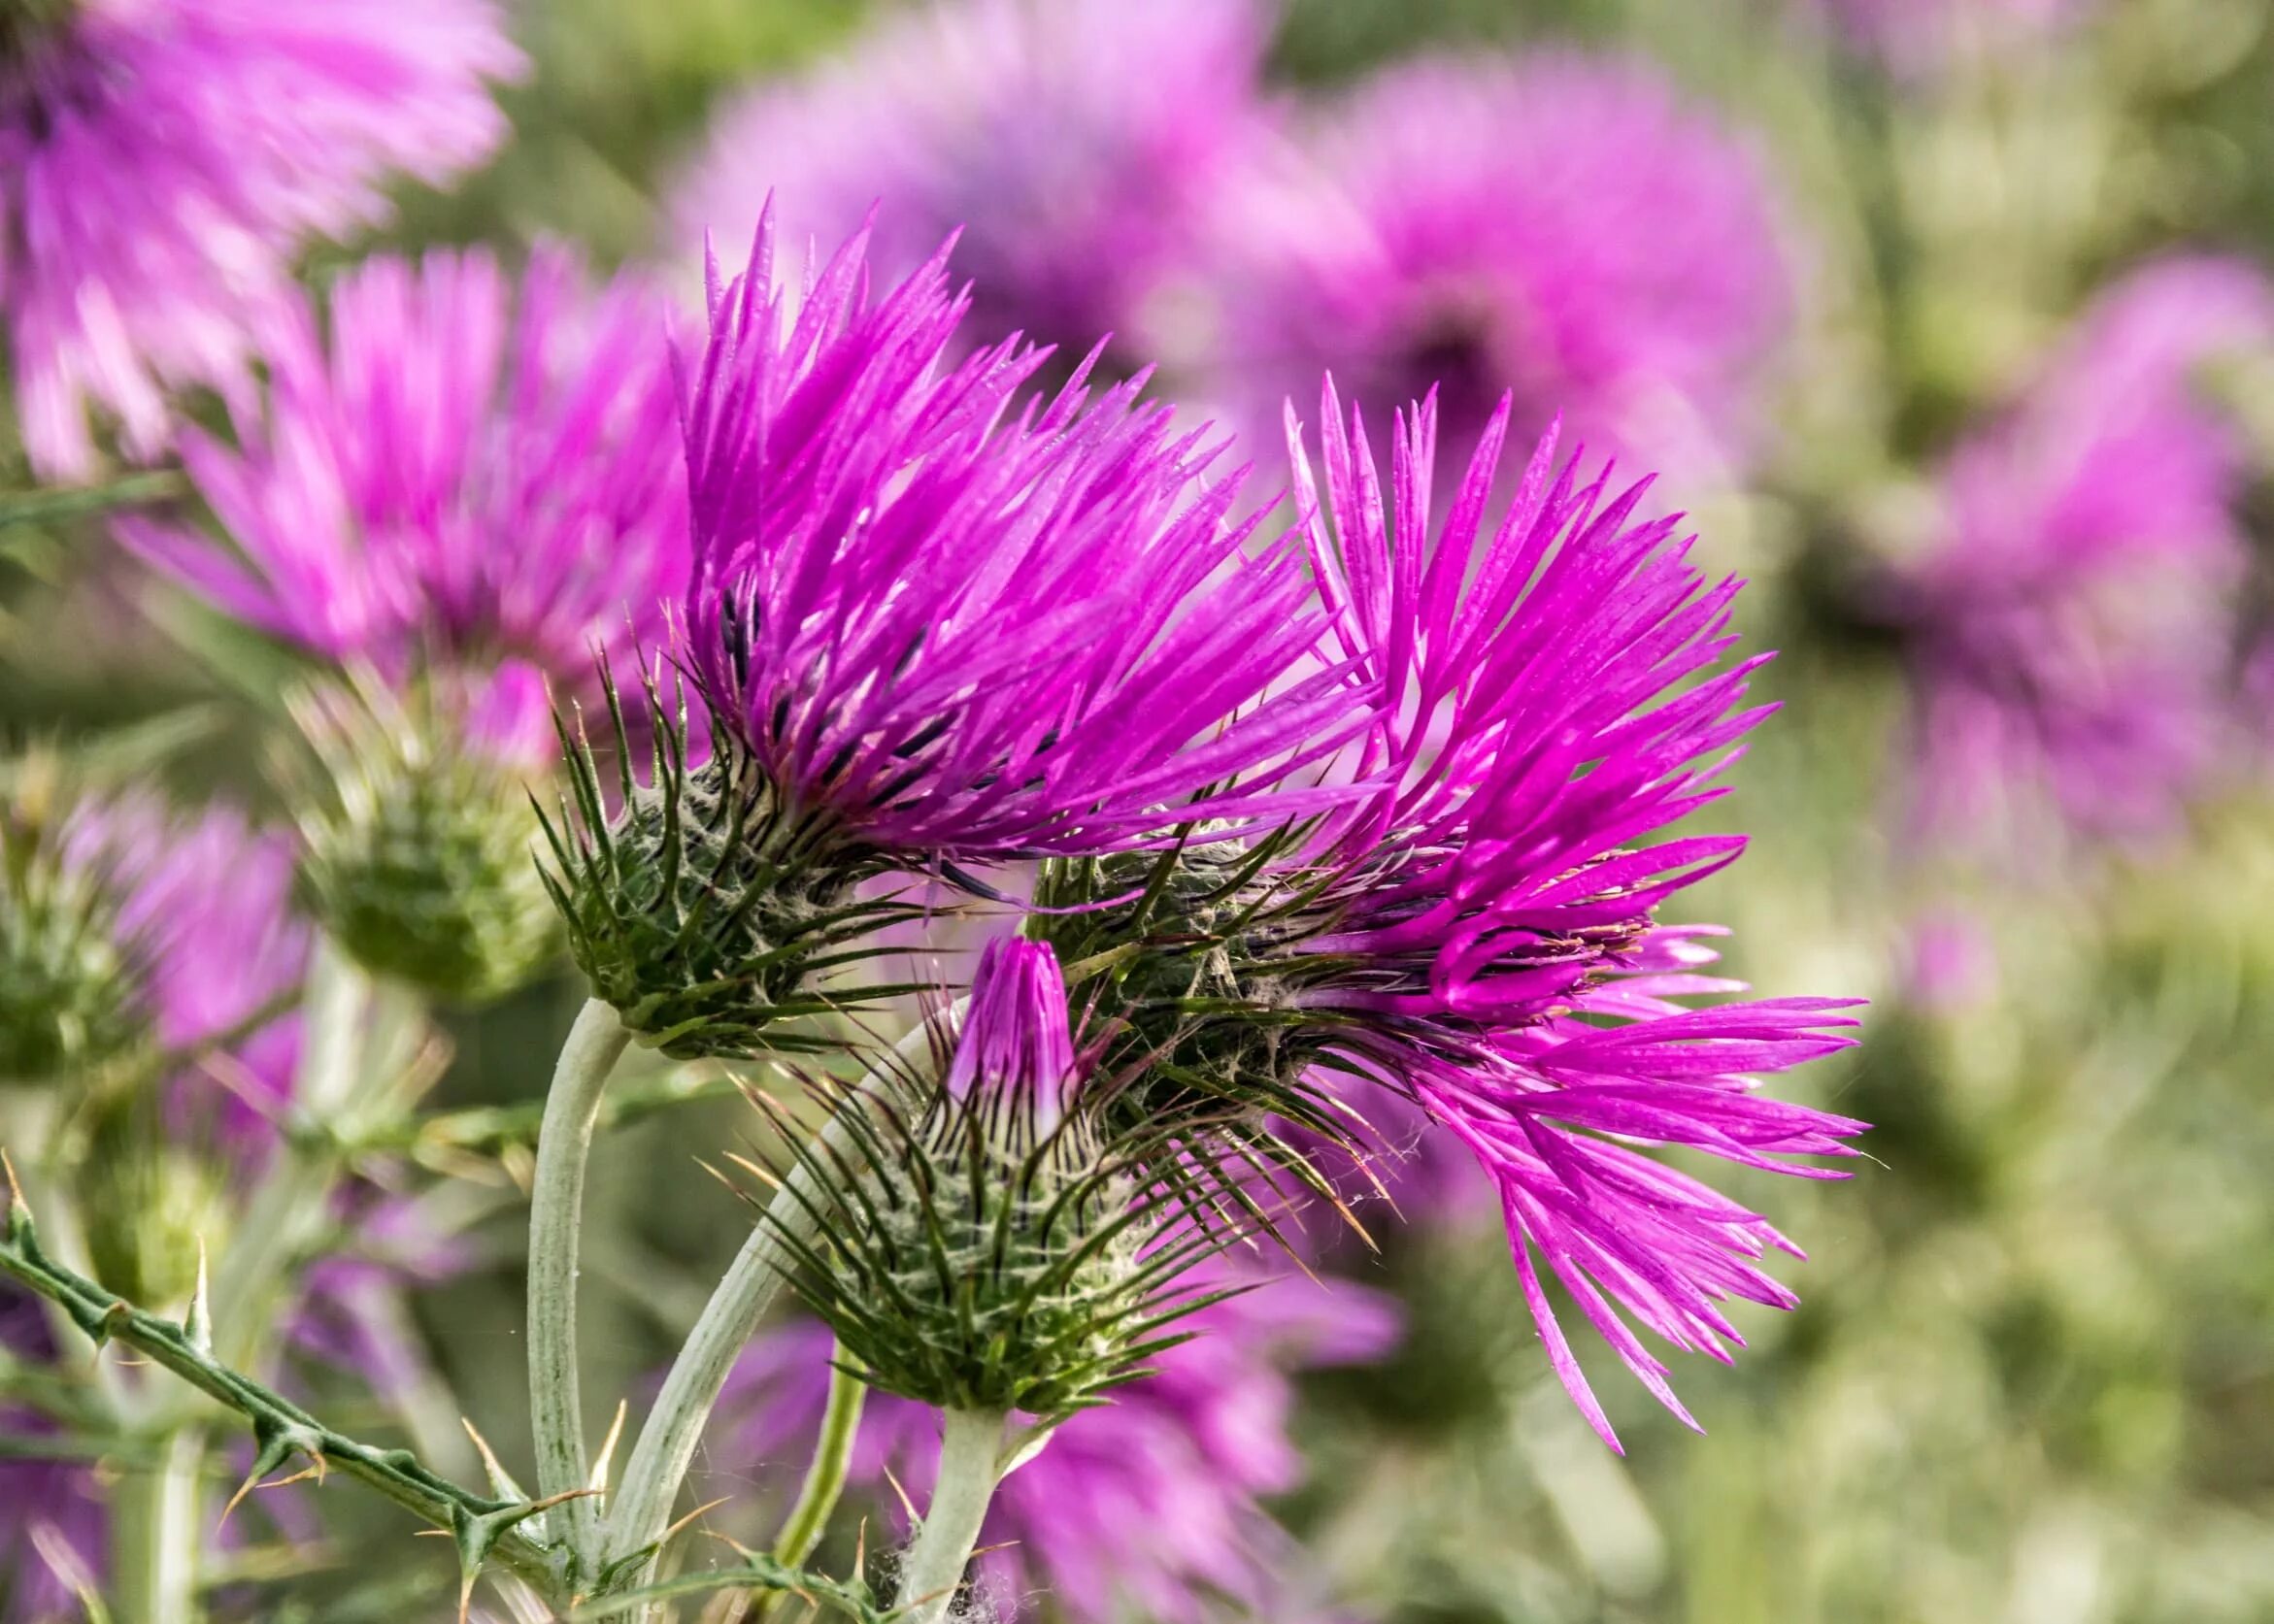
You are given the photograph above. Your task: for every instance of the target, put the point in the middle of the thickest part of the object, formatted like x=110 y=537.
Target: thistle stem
x=825 y=1478
x=157 y=1534
x=971 y=1455
x=292 y=1201
x=674 y=1428
x=485 y=1529
x=666 y=1445
x=556 y=1201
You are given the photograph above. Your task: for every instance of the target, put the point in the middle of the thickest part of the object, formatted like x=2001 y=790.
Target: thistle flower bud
x=984 y=1244
x=70 y=987
x=419 y=855
x=705 y=908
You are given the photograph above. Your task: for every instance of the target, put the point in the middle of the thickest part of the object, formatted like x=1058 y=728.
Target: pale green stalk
x=825 y=1478
x=158 y=1531
x=293 y=1203
x=556 y=1202
x=641 y=1510
x=971 y=1458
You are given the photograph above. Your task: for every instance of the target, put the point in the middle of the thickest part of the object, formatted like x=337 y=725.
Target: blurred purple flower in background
x=2074 y=623
x=53 y=1509
x=1914 y=36
x=460 y=477
x=1073 y=144
x=162 y=161
x=965 y=625
x=206 y=910
x=1563 y=226
x=1144 y=1507
x=1550 y=703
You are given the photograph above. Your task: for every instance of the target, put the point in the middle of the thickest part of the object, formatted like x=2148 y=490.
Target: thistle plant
x=1377 y=804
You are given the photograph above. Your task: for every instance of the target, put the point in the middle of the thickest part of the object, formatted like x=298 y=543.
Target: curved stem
x=825 y=1478
x=666 y=1445
x=641 y=1510
x=971 y=1454
x=157 y=1535
x=556 y=1202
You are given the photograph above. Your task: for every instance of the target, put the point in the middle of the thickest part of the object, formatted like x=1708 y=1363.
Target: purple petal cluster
x=162 y=160
x=1143 y=1508
x=455 y=475
x=1553 y=701
x=1073 y=144
x=956 y=623
x=2072 y=622
x=1567 y=227
x=1014 y=1054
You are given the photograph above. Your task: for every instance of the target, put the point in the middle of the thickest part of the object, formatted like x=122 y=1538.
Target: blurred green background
x=2032 y=1382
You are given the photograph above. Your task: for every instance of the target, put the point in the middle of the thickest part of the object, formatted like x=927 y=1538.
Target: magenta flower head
x=958 y=627
x=2072 y=626
x=1014 y=1066
x=162 y=160
x=934 y=626
x=1144 y=1507
x=1564 y=227
x=464 y=490
x=1071 y=143
x=458 y=478
x=1479 y=934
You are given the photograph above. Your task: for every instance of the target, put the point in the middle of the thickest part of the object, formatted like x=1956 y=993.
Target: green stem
x=293 y=1203
x=485 y=1529
x=641 y=1510
x=157 y=1534
x=971 y=1457
x=825 y=1478
x=557 y=1202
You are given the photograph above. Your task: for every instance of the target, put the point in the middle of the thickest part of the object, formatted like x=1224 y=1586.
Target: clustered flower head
x=460 y=477
x=1564 y=225
x=464 y=487
x=983 y=1242
x=1148 y=1507
x=933 y=623
x=2072 y=625
x=162 y=161
x=1477 y=931
x=1070 y=144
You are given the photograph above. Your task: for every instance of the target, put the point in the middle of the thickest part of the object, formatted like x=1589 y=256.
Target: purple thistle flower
x=1566 y=228
x=461 y=479
x=2073 y=624
x=955 y=625
x=1072 y=144
x=162 y=161
x=1145 y=1506
x=1551 y=707
x=208 y=910
x=1014 y=1059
